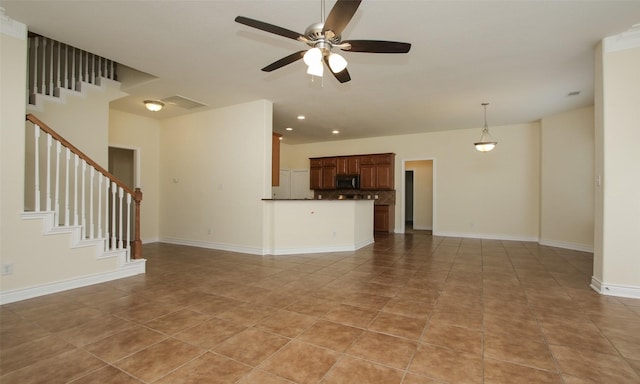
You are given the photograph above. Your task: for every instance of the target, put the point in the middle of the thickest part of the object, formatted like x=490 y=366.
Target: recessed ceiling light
x=335 y=131
x=301 y=117
x=289 y=129
x=573 y=93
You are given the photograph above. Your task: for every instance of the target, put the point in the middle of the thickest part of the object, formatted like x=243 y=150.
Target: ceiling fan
x=322 y=37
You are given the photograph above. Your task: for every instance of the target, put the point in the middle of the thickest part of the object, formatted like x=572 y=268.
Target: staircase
x=69 y=193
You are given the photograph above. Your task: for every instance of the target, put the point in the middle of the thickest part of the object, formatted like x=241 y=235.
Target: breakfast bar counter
x=316 y=226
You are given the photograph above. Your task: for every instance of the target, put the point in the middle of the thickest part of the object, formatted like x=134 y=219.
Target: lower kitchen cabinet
x=382 y=218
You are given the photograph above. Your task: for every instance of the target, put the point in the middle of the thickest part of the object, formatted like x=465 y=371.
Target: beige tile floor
x=408 y=309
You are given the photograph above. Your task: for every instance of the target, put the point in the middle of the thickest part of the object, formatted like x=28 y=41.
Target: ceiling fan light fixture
x=486 y=143
x=316 y=69
x=313 y=57
x=337 y=63
x=153 y=105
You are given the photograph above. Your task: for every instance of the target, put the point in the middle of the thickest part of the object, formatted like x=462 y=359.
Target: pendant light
x=486 y=142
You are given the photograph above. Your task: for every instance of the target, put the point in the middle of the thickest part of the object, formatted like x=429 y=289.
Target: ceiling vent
x=183 y=102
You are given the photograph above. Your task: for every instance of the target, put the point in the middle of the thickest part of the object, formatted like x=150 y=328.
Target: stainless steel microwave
x=348 y=182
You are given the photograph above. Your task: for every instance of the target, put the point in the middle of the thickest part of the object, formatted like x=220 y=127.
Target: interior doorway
x=419 y=189
x=122 y=163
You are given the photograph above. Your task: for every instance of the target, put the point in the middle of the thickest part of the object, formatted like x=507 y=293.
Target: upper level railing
x=90 y=196
x=54 y=65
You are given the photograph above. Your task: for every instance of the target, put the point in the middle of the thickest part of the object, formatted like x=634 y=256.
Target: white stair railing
x=95 y=199
x=54 y=66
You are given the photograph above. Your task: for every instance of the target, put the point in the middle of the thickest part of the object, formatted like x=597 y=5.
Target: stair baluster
x=114 y=237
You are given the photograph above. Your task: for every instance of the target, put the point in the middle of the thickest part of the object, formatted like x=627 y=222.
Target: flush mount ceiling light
x=153 y=105
x=486 y=142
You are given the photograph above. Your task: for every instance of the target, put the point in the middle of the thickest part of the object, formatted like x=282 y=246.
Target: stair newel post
x=137 y=243
x=113 y=215
x=75 y=189
x=57 y=193
x=120 y=196
x=100 y=178
x=37 y=167
x=48 y=165
x=83 y=197
x=127 y=243
x=66 y=191
x=35 y=64
x=92 y=175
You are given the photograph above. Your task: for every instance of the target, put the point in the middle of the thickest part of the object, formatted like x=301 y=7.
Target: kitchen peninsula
x=315 y=226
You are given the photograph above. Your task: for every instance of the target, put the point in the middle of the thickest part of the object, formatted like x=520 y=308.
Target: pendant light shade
x=486 y=142
x=153 y=105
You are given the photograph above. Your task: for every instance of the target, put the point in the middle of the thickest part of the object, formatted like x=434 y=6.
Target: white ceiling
x=523 y=57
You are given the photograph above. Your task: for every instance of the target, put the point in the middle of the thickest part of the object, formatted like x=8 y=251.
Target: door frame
x=404 y=185
x=136 y=162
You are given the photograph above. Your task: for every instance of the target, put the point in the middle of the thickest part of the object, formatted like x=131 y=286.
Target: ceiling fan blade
x=268 y=27
x=340 y=15
x=342 y=76
x=377 y=46
x=284 y=61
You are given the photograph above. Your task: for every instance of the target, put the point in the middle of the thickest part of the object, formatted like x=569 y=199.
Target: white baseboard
x=132 y=268
x=211 y=245
x=487 y=236
x=567 y=245
x=629 y=291
x=262 y=252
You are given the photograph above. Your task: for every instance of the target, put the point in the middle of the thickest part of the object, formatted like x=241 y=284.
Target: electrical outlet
x=7 y=269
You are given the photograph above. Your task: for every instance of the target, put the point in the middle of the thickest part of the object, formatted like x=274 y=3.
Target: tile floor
x=408 y=309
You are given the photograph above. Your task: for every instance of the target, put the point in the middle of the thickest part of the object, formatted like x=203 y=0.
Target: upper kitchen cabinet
x=348 y=165
x=323 y=173
x=377 y=171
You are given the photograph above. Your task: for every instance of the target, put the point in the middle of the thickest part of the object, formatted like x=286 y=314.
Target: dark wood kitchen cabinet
x=322 y=173
x=376 y=172
x=382 y=218
x=348 y=165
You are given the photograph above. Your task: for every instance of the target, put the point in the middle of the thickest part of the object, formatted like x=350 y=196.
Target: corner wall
x=616 y=257
x=215 y=169
x=567 y=180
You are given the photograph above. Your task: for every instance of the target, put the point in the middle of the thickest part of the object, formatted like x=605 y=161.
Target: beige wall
x=40 y=260
x=567 y=180
x=141 y=134
x=88 y=126
x=215 y=169
x=486 y=195
x=617 y=265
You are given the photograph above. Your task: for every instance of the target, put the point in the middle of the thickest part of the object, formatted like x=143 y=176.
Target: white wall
x=215 y=167
x=616 y=261
x=141 y=134
x=485 y=195
x=567 y=180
